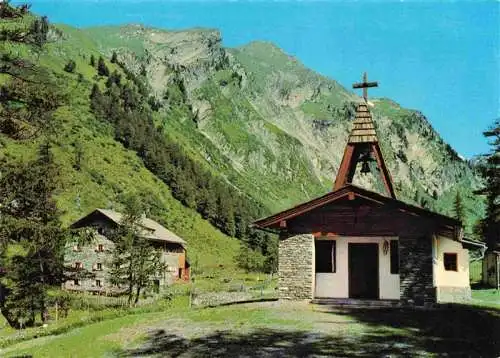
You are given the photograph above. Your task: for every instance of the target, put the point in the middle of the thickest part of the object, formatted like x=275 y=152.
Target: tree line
x=489 y=226
x=125 y=104
x=31 y=236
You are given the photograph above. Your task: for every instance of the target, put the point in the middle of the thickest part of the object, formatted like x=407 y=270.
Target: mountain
x=96 y=170
x=210 y=137
x=274 y=128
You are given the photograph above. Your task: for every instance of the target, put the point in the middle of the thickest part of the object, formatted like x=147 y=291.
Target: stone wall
x=453 y=294
x=415 y=270
x=296 y=267
x=89 y=256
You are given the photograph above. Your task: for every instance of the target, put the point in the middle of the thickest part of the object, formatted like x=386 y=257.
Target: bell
x=365 y=168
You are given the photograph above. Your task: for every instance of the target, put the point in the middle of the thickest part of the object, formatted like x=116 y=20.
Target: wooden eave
x=278 y=221
x=152 y=234
x=473 y=244
x=83 y=221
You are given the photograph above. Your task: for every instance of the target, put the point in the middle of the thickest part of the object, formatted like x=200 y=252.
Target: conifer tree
x=31 y=237
x=79 y=154
x=39 y=30
x=102 y=69
x=114 y=57
x=458 y=208
x=135 y=262
x=490 y=168
x=28 y=98
x=92 y=60
x=70 y=66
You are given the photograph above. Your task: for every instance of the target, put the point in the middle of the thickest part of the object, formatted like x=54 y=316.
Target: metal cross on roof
x=364 y=85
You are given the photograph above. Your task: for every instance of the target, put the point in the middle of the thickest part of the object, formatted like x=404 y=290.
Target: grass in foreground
x=488 y=297
x=88 y=309
x=280 y=329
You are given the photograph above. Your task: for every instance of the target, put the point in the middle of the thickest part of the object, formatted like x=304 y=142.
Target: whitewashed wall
x=336 y=284
x=459 y=278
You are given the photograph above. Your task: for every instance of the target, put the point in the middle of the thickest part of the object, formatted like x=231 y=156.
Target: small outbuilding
x=357 y=244
x=491 y=267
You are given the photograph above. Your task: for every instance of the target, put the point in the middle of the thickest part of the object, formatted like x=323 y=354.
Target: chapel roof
x=353 y=191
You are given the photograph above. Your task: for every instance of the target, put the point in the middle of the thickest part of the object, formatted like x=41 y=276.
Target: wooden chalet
x=91 y=263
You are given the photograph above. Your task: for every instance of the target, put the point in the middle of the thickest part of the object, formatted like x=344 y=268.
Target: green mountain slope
x=107 y=170
x=275 y=129
x=266 y=127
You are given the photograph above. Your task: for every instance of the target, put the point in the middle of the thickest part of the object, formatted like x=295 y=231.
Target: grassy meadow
x=269 y=329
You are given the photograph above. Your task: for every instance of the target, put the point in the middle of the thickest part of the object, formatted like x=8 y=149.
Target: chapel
x=356 y=244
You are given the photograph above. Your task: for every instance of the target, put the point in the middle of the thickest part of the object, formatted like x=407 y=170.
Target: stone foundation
x=415 y=271
x=453 y=294
x=296 y=267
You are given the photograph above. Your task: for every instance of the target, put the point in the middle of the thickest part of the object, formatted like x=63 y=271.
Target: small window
x=156 y=286
x=394 y=257
x=100 y=248
x=325 y=255
x=76 y=282
x=450 y=261
x=98 y=283
x=78 y=265
x=98 y=266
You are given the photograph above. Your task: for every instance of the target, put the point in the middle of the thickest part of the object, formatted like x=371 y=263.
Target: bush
x=63 y=300
x=70 y=66
x=250 y=260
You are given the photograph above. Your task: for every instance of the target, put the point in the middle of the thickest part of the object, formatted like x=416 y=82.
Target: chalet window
x=450 y=261
x=325 y=255
x=394 y=256
x=100 y=248
x=78 y=265
x=98 y=283
x=156 y=286
x=76 y=282
x=98 y=266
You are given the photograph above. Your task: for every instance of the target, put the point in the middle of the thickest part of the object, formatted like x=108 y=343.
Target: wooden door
x=363 y=271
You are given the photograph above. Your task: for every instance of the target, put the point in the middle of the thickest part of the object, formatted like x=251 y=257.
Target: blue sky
x=440 y=58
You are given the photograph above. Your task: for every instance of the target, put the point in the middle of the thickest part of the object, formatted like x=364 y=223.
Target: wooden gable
x=353 y=211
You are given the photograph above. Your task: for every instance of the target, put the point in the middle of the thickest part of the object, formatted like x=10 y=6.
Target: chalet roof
x=152 y=229
x=363 y=129
x=355 y=191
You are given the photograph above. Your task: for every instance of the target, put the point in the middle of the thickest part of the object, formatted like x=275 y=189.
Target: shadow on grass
x=457 y=331
x=266 y=343
x=452 y=330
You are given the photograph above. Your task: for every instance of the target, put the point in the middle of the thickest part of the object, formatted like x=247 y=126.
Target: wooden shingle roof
x=150 y=229
x=363 y=130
